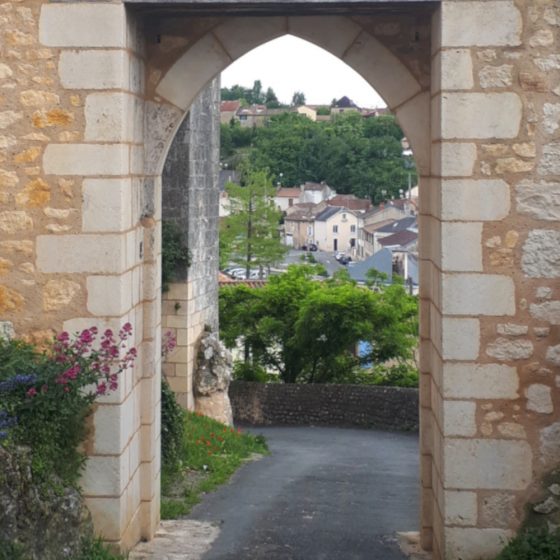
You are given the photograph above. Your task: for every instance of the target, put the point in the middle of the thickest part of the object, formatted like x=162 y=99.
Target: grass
x=211 y=453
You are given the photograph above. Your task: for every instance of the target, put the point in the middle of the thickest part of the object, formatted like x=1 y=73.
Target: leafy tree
x=298 y=99
x=306 y=330
x=250 y=236
x=270 y=100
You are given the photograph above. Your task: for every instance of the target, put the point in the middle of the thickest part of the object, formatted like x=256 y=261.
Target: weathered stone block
x=474 y=544
x=478 y=294
x=480 y=381
x=462 y=75
x=540 y=200
x=453 y=159
x=504 y=349
x=59 y=293
x=459 y=418
x=83 y=25
x=539 y=398
x=480 y=24
x=466 y=235
x=107 y=205
x=496 y=76
x=81 y=253
x=550 y=160
x=480 y=115
x=109 y=295
x=541 y=254
x=474 y=200
x=487 y=464
x=94 y=69
x=460 y=338
x=86 y=159
x=460 y=507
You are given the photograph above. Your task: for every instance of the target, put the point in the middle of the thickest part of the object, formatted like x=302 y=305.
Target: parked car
x=310 y=247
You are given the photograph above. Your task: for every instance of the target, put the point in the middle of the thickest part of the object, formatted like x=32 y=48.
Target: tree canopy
x=353 y=154
x=253 y=95
x=306 y=330
x=249 y=236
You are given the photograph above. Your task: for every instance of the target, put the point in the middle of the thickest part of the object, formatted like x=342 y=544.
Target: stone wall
x=191 y=199
x=386 y=408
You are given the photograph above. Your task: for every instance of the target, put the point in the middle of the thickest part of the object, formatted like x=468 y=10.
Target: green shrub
x=175 y=256
x=46 y=396
x=401 y=375
x=11 y=551
x=246 y=371
x=172 y=430
x=533 y=544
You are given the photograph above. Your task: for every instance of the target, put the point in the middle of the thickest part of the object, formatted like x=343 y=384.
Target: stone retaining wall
x=388 y=408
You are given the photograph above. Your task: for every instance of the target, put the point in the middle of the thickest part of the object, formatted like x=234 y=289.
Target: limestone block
x=459 y=418
x=460 y=508
x=107 y=205
x=10 y=300
x=8 y=179
x=15 y=221
x=480 y=381
x=108 y=515
x=550 y=160
x=94 y=69
x=541 y=254
x=460 y=338
x=480 y=115
x=480 y=24
x=204 y=59
x=546 y=311
x=5 y=71
x=453 y=159
x=513 y=165
x=83 y=25
x=474 y=200
x=465 y=235
x=372 y=60
x=110 y=117
x=550 y=445
x=8 y=118
x=478 y=294
x=510 y=329
x=553 y=355
x=58 y=294
x=114 y=426
x=475 y=544
x=542 y=38
x=539 y=398
x=81 y=253
x=551 y=114
x=504 y=349
x=548 y=63
x=241 y=35
x=86 y=159
x=491 y=464
x=109 y=295
x=462 y=75
x=37 y=98
x=105 y=475
x=512 y=430
x=496 y=76
x=36 y=193
x=540 y=200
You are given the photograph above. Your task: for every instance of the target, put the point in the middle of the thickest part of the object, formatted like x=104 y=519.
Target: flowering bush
x=45 y=397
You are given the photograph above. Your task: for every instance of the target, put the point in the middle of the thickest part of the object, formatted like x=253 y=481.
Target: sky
x=290 y=64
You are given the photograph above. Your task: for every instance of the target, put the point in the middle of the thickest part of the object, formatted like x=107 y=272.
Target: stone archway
x=84 y=132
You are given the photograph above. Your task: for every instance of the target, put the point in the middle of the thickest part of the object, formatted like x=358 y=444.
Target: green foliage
x=11 y=551
x=298 y=99
x=172 y=430
x=250 y=96
x=355 y=155
x=400 y=375
x=250 y=236
x=533 y=544
x=175 y=257
x=45 y=398
x=211 y=453
x=307 y=330
x=247 y=371
x=94 y=549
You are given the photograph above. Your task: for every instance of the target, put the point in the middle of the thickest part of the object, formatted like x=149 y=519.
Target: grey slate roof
x=382 y=261
x=399 y=225
x=327 y=213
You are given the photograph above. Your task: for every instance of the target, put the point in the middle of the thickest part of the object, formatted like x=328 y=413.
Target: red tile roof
x=288 y=192
x=350 y=201
x=229 y=106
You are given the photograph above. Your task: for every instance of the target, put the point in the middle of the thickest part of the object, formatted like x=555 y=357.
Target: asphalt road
x=324 y=257
x=322 y=494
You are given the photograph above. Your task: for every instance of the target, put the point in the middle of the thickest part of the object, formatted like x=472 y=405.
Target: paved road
x=322 y=494
x=324 y=257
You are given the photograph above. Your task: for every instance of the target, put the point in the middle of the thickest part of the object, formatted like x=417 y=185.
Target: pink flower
x=101 y=388
x=108 y=333
x=31 y=392
x=127 y=328
x=63 y=336
x=86 y=337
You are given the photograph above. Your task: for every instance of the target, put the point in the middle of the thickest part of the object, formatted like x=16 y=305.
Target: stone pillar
x=99 y=65
x=488 y=225
x=191 y=199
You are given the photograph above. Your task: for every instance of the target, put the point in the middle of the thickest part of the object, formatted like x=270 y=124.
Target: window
x=309 y=230
x=290 y=202
x=335 y=229
x=352 y=229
